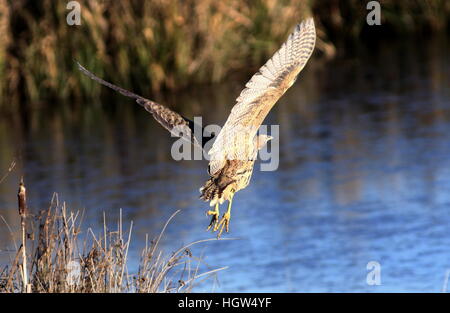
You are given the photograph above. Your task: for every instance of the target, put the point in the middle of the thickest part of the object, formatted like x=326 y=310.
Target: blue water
x=364 y=176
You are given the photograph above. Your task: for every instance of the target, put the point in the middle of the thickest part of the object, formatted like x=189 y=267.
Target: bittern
x=234 y=151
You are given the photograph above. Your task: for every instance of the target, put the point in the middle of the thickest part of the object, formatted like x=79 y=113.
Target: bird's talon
x=224 y=223
x=215 y=218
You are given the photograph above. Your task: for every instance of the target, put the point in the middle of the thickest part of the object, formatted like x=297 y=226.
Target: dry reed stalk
x=5 y=39
x=101 y=260
x=11 y=167
x=22 y=201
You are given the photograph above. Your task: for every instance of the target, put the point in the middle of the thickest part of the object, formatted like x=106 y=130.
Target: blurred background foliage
x=159 y=45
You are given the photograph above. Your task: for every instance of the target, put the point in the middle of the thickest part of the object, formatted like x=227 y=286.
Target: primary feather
x=172 y=121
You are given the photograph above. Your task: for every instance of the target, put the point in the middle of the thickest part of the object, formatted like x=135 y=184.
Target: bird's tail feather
x=211 y=192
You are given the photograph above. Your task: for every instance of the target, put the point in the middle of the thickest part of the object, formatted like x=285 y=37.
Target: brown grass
x=53 y=258
x=164 y=44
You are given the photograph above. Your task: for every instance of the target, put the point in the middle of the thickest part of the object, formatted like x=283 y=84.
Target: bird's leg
x=215 y=217
x=225 y=220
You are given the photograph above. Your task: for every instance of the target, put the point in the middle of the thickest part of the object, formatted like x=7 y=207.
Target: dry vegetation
x=157 y=44
x=55 y=256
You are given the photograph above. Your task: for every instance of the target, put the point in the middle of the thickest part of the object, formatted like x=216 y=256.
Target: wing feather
x=172 y=121
x=259 y=96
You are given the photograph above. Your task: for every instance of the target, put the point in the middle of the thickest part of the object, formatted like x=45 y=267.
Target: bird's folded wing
x=172 y=121
x=235 y=141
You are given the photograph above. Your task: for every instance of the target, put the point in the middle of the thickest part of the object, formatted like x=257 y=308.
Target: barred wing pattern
x=172 y=121
x=235 y=141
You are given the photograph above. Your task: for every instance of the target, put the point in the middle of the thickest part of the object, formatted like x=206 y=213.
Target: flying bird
x=234 y=151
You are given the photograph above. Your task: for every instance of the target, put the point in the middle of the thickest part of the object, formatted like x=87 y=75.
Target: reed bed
x=152 y=46
x=55 y=257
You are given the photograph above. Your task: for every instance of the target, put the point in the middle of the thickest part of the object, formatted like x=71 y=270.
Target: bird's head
x=261 y=141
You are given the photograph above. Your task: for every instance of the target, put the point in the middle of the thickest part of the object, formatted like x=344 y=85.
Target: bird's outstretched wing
x=172 y=121
x=261 y=93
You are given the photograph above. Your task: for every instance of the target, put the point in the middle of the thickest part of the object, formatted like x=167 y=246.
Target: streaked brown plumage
x=234 y=176
x=233 y=153
x=231 y=165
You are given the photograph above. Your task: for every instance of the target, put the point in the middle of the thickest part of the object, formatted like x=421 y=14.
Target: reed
x=54 y=258
x=152 y=46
